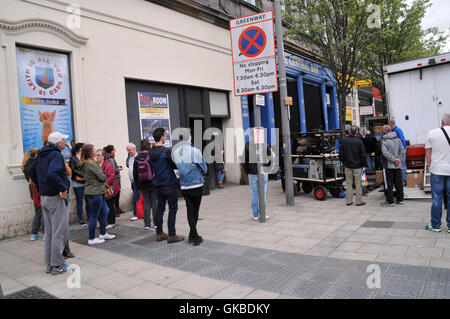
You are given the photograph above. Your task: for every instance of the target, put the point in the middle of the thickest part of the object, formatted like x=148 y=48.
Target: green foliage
x=337 y=32
x=354 y=41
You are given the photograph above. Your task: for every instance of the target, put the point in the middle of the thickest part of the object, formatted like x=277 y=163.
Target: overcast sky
x=438 y=15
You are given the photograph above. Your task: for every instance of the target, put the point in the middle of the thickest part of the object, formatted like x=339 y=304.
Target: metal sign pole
x=259 y=157
x=288 y=181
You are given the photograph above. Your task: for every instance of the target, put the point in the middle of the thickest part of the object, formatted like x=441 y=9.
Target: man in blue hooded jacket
x=49 y=174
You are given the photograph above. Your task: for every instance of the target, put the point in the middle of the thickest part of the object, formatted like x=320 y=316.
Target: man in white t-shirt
x=132 y=153
x=437 y=151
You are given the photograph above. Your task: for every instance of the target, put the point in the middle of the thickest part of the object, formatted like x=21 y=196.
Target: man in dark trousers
x=191 y=166
x=353 y=156
x=393 y=152
x=166 y=186
x=49 y=174
x=401 y=136
x=370 y=142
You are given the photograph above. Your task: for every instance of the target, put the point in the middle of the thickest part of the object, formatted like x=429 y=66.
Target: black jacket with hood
x=49 y=172
x=162 y=166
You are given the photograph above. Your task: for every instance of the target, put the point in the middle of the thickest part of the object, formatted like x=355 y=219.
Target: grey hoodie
x=392 y=149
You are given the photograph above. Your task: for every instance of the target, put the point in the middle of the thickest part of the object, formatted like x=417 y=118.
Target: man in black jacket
x=166 y=186
x=370 y=142
x=353 y=155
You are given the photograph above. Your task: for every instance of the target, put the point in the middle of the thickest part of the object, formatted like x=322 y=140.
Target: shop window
x=218 y=102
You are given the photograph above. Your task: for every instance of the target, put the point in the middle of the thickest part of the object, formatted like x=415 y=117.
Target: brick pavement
x=414 y=263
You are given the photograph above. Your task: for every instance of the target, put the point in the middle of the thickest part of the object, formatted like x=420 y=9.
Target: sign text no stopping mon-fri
x=253 y=50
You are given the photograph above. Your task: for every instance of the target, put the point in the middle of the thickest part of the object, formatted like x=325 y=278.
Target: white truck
x=418 y=94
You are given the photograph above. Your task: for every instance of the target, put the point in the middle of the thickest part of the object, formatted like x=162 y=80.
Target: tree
x=400 y=38
x=338 y=33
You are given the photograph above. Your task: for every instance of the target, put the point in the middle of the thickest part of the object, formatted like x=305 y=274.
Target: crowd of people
x=358 y=152
x=95 y=177
x=388 y=153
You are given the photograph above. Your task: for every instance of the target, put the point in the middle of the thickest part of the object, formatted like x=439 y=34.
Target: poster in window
x=153 y=113
x=44 y=96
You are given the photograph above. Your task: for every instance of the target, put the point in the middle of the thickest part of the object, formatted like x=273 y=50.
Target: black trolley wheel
x=320 y=192
x=307 y=187
x=335 y=191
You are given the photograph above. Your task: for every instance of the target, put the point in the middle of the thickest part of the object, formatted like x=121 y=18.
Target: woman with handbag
x=113 y=188
x=78 y=183
x=94 y=192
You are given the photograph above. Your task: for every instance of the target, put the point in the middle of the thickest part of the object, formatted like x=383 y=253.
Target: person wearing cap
x=49 y=174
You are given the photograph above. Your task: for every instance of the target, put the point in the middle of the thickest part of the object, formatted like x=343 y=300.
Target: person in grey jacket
x=392 y=154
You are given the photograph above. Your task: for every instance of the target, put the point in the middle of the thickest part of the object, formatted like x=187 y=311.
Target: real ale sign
x=253 y=51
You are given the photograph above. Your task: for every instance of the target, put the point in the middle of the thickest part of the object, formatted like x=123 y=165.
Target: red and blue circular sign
x=252 y=41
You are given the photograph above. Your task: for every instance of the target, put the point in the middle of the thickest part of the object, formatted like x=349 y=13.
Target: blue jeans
x=79 y=194
x=136 y=197
x=167 y=194
x=98 y=211
x=220 y=176
x=371 y=163
x=404 y=168
x=438 y=182
x=253 y=181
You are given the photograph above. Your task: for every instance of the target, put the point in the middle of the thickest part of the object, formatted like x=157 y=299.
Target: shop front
x=313 y=91
x=97 y=80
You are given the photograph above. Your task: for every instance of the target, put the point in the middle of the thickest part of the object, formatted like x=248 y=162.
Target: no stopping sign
x=253 y=52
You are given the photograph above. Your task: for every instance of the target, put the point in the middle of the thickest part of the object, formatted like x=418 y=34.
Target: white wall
x=127 y=39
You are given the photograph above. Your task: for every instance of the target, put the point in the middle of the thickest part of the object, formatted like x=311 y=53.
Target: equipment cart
x=315 y=164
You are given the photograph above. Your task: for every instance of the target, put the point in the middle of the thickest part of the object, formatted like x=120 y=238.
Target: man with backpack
x=166 y=186
x=143 y=179
x=437 y=151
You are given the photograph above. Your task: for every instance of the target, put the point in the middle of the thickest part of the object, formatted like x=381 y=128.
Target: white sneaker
x=133 y=218
x=95 y=241
x=267 y=217
x=107 y=236
x=255 y=218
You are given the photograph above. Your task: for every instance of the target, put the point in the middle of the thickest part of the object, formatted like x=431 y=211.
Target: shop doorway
x=313 y=108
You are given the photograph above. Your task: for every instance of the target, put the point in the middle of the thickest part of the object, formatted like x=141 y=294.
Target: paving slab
x=234 y=291
x=149 y=290
x=200 y=286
